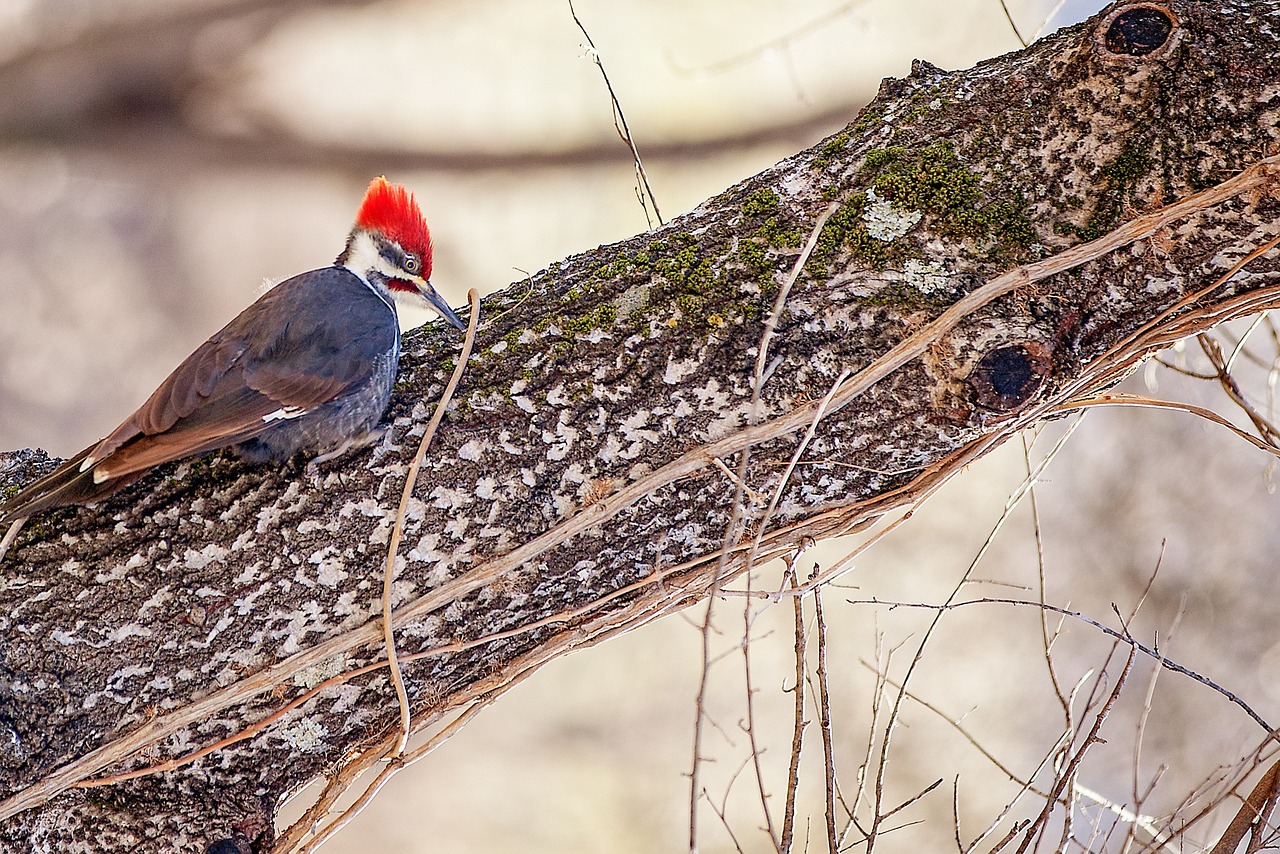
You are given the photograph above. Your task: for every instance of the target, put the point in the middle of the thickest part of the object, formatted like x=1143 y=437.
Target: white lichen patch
x=632 y=300
x=310 y=677
x=562 y=439
x=885 y=220
x=448 y=498
x=159 y=684
x=486 y=488
x=557 y=396
x=428 y=550
x=116 y=573
x=677 y=370
x=311 y=526
x=508 y=446
x=927 y=277
x=367 y=507
x=352 y=607
x=245 y=604
x=401 y=592
x=128 y=630
x=633 y=427
x=457 y=526
x=307 y=735
x=157 y=600
x=471 y=451
x=330 y=567
x=207 y=555
x=245 y=540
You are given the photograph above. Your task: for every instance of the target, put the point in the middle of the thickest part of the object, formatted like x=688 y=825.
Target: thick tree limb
x=1007 y=240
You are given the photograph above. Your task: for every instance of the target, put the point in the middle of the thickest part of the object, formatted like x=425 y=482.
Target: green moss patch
x=934 y=180
x=1121 y=175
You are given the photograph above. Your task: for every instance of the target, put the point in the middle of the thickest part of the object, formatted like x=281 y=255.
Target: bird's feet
x=352 y=444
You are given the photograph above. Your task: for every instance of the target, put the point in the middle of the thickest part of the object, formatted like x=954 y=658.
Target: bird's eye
x=412 y=264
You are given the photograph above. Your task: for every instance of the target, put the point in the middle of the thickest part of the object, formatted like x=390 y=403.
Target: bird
x=308 y=367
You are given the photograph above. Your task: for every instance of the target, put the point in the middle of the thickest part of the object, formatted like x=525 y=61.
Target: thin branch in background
x=1025 y=785
x=1224 y=785
x=1057 y=7
x=644 y=193
x=756 y=750
x=1240 y=347
x=1010 y=504
x=883 y=662
x=1115 y=399
x=1132 y=819
x=1046 y=637
x=1012 y=25
x=1213 y=351
x=721 y=812
x=798 y=725
x=1119 y=635
x=777 y=45
x=1253 y=817
x=1180 y=369
x=1136 y=822
x=1017 y=828
x=1068 y=773
x=824 y=723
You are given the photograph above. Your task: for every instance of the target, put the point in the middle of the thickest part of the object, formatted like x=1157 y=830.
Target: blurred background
x=160 y=158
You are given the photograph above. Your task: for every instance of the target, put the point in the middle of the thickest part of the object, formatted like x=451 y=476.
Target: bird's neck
x=363 y=258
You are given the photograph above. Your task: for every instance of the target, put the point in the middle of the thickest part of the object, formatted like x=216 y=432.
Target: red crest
x=392 y=210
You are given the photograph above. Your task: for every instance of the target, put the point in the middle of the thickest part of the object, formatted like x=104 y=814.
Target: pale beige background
x=119 y=252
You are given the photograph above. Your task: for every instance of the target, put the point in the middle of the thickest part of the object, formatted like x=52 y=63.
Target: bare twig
x=1119 y=635
x=10 y=535
x=749 y=702
x=1117 y=399
x=798 y=726
x=824 y=722
x=644 y=192
x=1004 y=6
x=1090 y=740
x=397 y=529
x=1253 y=816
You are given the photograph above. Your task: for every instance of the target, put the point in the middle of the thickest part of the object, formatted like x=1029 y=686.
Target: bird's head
x=390 y=247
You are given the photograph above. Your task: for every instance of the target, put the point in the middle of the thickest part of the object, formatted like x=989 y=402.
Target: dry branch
x=1006 y=240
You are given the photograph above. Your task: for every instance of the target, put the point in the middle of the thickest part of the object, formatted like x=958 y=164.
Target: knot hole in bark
x=1008 y=376
x=1139 y=30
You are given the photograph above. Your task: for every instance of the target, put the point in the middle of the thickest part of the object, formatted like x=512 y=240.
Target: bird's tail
x=66 y=484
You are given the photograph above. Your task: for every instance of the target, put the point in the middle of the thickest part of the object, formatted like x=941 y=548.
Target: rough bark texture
x=607 y=366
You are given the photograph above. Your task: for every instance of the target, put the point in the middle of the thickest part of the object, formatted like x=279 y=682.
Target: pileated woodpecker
x=309 y=366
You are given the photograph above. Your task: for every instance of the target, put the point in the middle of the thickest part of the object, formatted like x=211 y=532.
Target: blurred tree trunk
x=986 y=247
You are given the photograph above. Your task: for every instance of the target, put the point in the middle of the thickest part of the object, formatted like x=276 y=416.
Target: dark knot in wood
x=1008 y=376
x=1138 y=30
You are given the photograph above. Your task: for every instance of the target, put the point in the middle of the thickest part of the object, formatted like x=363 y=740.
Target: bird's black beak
x=438 y=303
